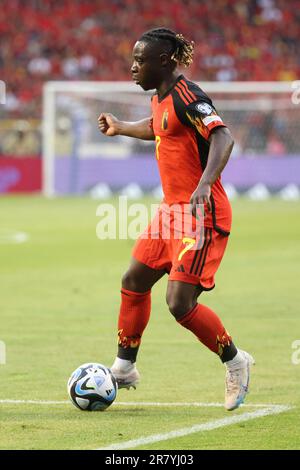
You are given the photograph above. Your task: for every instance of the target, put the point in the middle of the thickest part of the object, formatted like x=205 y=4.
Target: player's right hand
x=108 y=124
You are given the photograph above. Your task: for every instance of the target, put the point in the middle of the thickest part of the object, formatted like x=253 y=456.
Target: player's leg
x=199 y=319
x=150 y=261
x=195 y=271
x=135 y=307
x=134 y=315
x=209 y=329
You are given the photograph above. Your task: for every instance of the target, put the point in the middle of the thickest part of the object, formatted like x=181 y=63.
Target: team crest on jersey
x=204 y=108
x=164 y=121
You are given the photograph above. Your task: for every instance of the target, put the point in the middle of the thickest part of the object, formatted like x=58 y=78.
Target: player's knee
x=130 y=281
x=178 y=306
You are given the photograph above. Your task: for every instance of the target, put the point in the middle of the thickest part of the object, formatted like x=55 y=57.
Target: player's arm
x=110 y=126
x=221 y=144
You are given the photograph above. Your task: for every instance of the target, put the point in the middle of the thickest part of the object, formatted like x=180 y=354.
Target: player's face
x=146 y=68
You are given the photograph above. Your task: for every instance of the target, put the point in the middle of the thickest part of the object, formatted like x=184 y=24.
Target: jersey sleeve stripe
x=188 y=90
x=181 y=96
x=184 y=92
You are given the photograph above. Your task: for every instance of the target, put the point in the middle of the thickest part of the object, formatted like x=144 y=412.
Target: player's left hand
x=201 y=196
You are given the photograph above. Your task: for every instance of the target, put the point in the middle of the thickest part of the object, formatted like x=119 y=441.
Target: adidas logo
x=108 y=392
x=180 y=269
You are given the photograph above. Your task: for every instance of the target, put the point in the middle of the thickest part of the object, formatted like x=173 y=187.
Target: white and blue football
x=92 y=387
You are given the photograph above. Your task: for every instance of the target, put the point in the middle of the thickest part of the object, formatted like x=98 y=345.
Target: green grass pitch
x=59 y=300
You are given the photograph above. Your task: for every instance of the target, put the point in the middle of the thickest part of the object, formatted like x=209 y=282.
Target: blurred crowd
x=93 y=39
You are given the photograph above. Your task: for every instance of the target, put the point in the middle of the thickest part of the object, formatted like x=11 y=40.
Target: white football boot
x=237 y=380
x=125 y=373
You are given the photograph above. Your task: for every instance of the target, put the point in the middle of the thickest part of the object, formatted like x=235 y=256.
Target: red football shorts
x=191 y=257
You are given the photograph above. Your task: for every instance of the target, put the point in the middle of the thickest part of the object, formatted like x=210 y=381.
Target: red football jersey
x=182 y=121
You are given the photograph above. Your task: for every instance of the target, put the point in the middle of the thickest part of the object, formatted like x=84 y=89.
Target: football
x=92 y=387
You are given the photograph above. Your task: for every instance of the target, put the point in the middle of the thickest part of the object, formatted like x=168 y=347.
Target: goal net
x=262 y=116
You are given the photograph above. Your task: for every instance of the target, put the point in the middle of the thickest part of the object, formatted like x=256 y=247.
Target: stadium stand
x=74 y=40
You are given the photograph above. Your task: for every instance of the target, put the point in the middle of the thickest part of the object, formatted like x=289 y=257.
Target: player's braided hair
x=182 y=48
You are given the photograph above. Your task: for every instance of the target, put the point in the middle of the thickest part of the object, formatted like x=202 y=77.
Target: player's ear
x=164 y=59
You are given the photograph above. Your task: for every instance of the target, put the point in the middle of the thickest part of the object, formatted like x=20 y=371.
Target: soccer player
x=193 y=146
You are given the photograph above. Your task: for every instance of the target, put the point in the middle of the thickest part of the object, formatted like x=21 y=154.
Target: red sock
x=208 y=328
x=133 y=319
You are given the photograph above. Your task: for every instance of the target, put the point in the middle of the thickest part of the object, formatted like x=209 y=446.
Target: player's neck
x=167 y=84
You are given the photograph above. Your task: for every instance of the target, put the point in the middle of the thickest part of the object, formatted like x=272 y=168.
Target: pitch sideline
x=9 y=401
x=265 y=410
x=209 y=426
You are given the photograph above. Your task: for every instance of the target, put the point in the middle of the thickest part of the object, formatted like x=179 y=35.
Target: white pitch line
x=209 y=426
x=135 y=403
x=12 y=236
x=33 y=402
x=195 y=404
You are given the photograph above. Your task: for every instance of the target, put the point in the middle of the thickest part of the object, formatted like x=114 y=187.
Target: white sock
x=123 y=364
x=236 y=362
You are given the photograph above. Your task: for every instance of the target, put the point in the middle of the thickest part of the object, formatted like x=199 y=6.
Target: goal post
x=262 y=116
x=51 y=91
